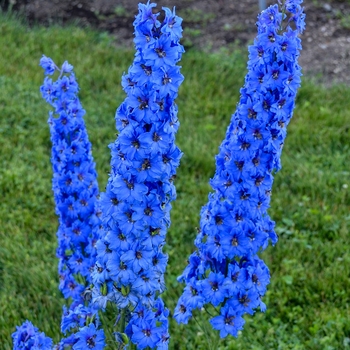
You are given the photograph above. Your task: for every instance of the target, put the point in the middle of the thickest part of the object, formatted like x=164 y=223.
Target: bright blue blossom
x=28 y=337
x=89 y=338
x=48 y=65
x=77 y=203
x=225 y=269
x=136 y=204
x=74 y=182
x=228 y=322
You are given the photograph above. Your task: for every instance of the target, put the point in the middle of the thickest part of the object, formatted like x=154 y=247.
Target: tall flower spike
x=225 y=270
x=74 y=183
x=76 y=195
x=136 y=205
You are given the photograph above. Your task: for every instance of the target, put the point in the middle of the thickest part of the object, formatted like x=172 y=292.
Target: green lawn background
x=308 y=298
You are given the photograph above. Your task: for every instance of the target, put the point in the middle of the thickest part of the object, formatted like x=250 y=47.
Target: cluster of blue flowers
x=28 y=337
x=225 y=270
x=115 y=243
x=74 y=182
x=77 y=204
x=136 y=205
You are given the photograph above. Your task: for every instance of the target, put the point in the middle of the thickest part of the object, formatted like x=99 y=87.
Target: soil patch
x=212 y=25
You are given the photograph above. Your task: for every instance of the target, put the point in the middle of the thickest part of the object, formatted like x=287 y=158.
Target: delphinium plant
x=130 y=266
x=225 y=270
x=111 y=249
x=74 y=182
x=76 y=196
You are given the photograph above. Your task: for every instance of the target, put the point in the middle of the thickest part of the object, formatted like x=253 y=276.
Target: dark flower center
x=146 y=69
x=90 y=342
x=143 y=104
x=160 y=52
x=114 y=201
x=251 y=114
x=245 y=145
x=239 y=165
x=228 y=183
x=154 y=231
x=244 y=196
x=219 y=220
x=146 y=164
x=256 y=161
x=194 y=291
x=266 y=105
x=259 y=181
x=255 y=279
x=239 y=218
x=234 y=241
x=234 y=277
x=121 y=237
x=257 y=134
x=166 y=80
x=229 y=320
x=156 y=137
x=244 y=300
x=147 y=332
x=148 y=211
x=129 y=185
x=135 y=144
x=214 y=286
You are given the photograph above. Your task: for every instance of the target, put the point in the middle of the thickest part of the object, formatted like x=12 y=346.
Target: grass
x=308 y=300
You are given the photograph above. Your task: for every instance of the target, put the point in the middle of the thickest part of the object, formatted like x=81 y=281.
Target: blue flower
x=225 y=270
x=89 y=338
x=136 y=204
x=183 y=312
x=145 y=334
x=76 y=196
x=28 y=337
x=48 y=65
x=228 y=322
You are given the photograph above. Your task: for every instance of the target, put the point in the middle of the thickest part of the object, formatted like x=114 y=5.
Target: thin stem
x=283 y=8
x=204 y=331
x=122 y=321
x=132 y=346
x=207 y=312
x=105 y=324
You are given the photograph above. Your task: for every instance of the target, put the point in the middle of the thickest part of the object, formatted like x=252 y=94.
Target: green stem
x=205 y=333
x=105 y=322
x=122 y=321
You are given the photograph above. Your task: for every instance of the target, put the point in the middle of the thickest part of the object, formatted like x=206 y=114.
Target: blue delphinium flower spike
x=74 y=183
x=28 y=337
x=225 y=270
x=136 y=205
x=76 y=196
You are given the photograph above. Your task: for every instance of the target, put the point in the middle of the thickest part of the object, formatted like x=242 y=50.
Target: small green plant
x=196 y=16
x=190 y=34
x=345 y=22
x=121 y=11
